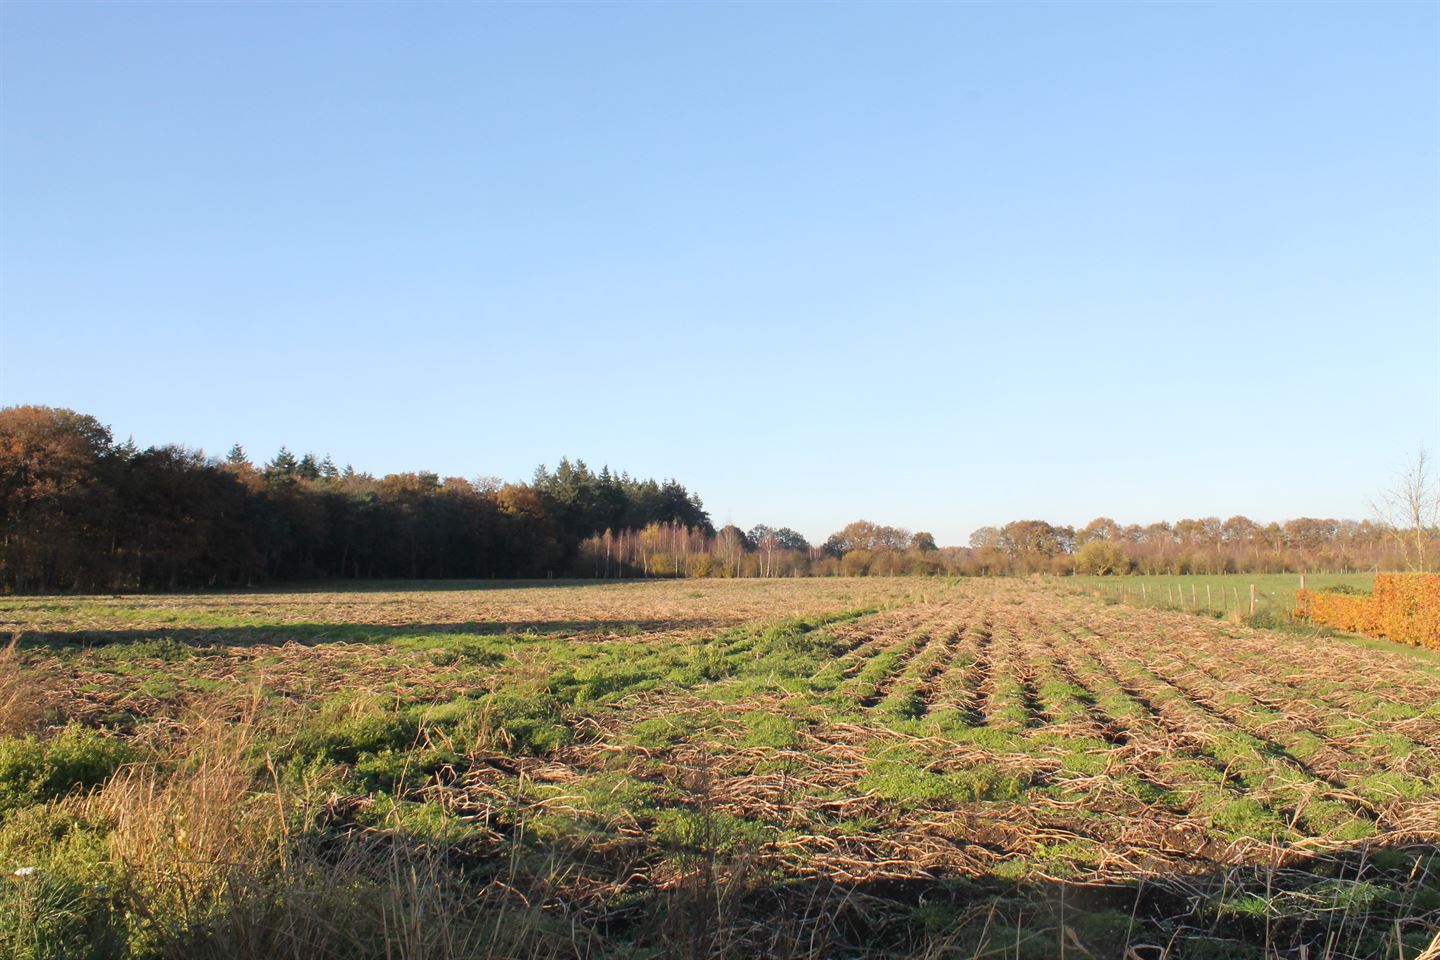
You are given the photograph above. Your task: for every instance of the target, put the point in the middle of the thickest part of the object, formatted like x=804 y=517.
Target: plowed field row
x=982 y=732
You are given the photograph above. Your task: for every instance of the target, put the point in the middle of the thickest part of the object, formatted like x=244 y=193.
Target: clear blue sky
x=932 y=265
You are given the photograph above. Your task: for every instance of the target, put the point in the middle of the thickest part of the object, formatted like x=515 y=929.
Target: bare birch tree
x=1410 y=512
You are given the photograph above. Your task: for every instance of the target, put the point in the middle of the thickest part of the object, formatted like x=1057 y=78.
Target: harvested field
x=813 y=768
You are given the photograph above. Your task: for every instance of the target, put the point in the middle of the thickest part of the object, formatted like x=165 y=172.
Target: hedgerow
x=1405 y=607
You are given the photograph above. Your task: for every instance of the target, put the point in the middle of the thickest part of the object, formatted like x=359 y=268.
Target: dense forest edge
x=83 y=512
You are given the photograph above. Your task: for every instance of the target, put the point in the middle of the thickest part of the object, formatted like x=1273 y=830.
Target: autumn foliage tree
x=56 y=516
x=83 y=512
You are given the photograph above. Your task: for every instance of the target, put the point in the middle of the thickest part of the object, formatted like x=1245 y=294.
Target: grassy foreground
x=813 y=768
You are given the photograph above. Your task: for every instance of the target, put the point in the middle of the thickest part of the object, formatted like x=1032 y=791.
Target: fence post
x=1252 y=599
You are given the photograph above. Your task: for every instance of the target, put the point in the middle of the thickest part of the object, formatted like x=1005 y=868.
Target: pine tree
x=283 y=467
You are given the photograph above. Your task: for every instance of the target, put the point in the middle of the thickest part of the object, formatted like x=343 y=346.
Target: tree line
x=1022 y=547
x=1205 y=545
x=83 y=512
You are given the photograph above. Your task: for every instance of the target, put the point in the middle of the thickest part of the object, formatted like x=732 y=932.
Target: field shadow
x=343 y=586
x=1366 y=901
x=314 y=634
x=1370 y=901
x=442 y=586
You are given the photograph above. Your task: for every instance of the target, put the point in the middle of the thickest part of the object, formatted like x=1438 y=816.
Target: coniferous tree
x=308 y=468
x=283 y=468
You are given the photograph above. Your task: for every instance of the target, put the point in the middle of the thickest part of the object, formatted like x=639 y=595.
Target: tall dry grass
x=220 y=859
x=182 y=831
x=21 y=700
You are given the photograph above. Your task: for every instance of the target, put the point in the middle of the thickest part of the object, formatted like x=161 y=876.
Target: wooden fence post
x=1252 y=599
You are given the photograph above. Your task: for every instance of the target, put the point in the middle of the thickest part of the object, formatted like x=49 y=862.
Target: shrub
x=33 y=771
x=1405 y=607
x=1100 y=557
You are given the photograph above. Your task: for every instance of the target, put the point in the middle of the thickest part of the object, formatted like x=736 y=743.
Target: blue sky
x=932 y=265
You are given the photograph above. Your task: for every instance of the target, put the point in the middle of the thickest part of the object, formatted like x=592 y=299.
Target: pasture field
x=1274 y=592
x=798 y=768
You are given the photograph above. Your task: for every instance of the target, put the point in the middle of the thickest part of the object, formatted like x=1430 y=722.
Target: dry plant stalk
x=183 y=836
x=1089 y=744
x=21 y=705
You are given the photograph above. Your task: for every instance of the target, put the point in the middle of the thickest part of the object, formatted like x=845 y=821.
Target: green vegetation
x=1274 y=592
x=983 y=767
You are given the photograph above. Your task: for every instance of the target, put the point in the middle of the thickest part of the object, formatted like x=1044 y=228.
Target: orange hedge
x=1405 y=607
